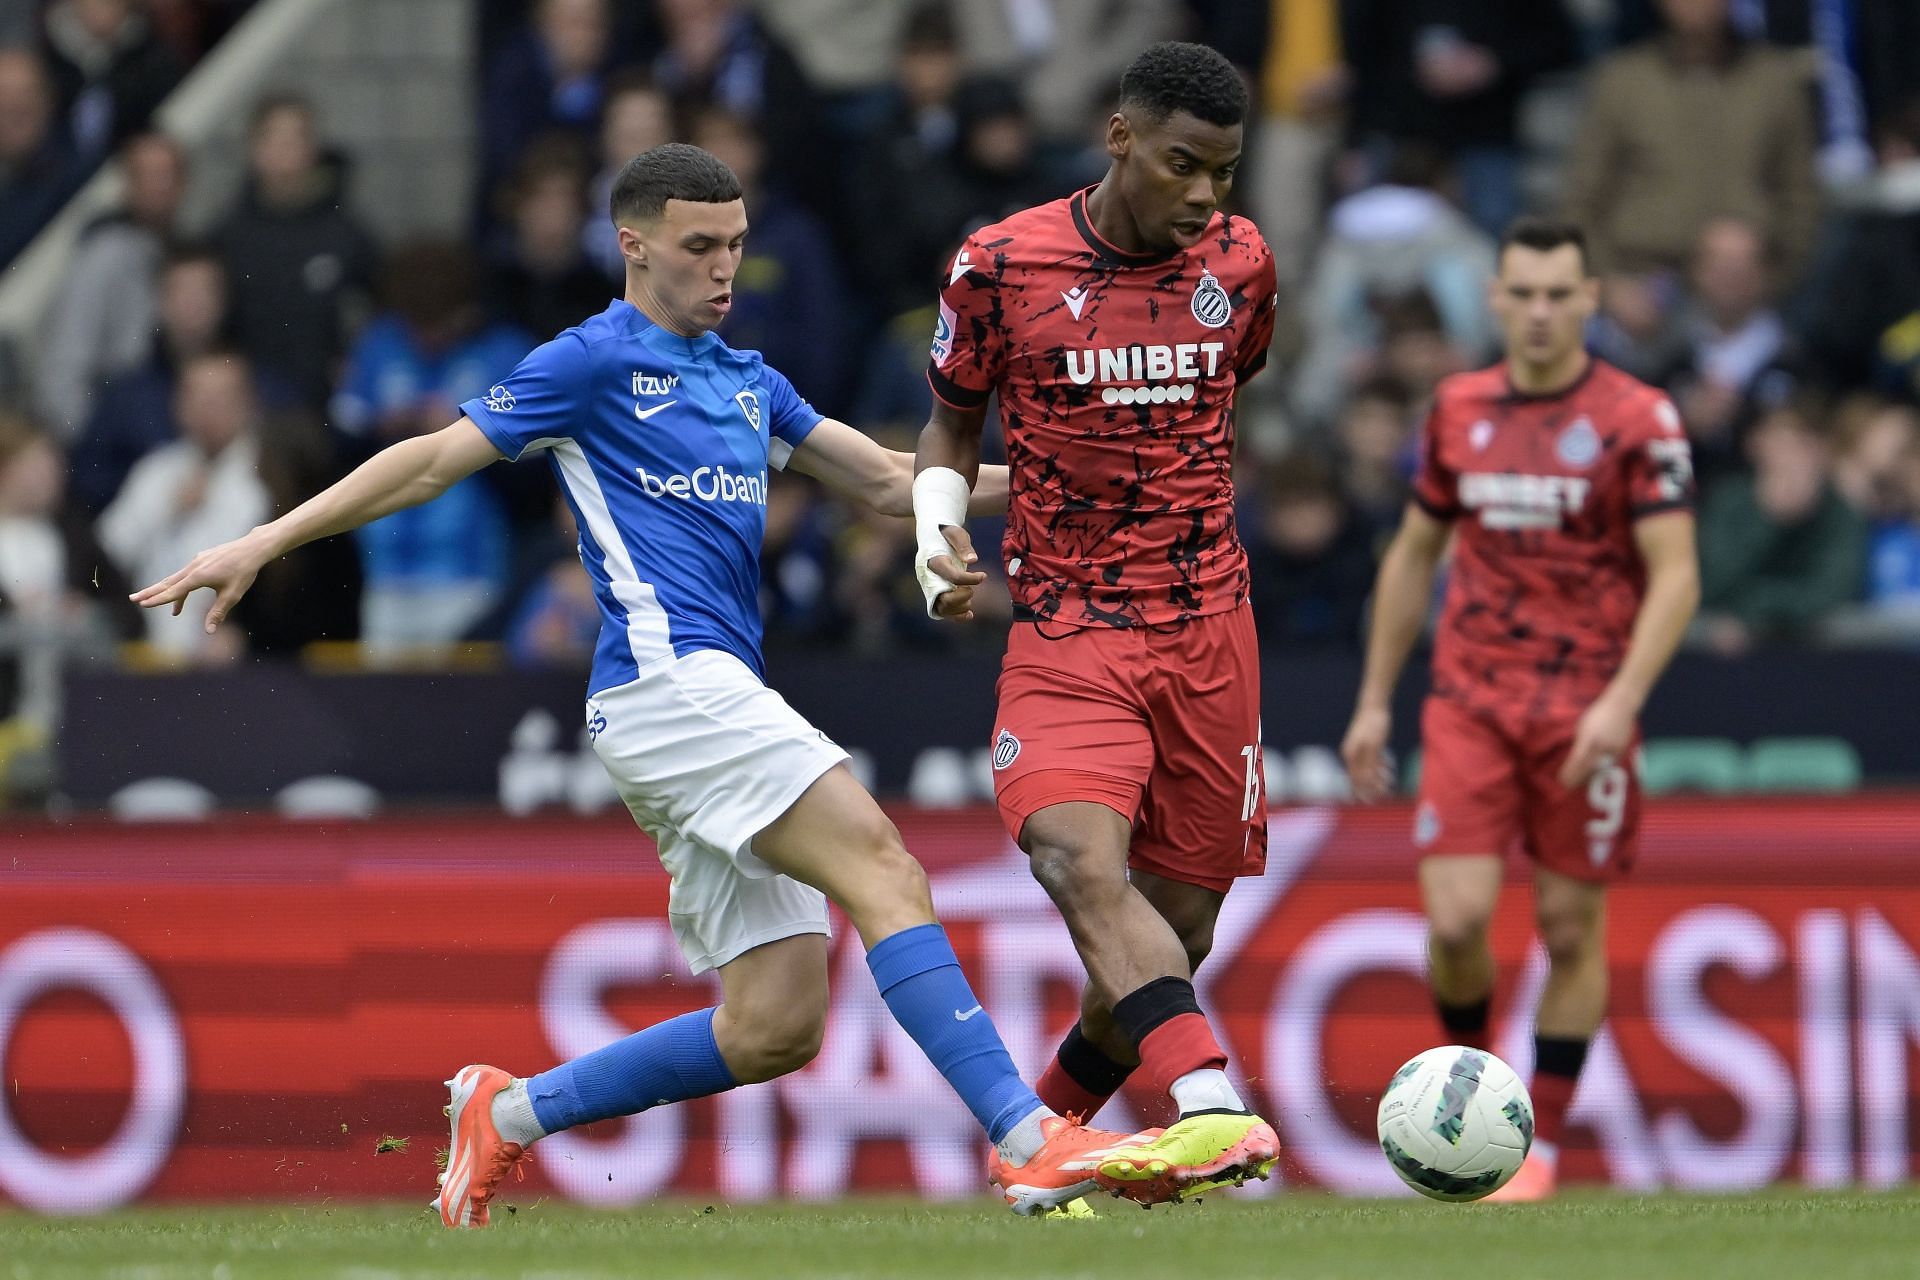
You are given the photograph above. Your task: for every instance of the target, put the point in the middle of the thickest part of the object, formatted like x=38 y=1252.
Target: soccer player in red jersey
x=1116 y=327
x=1567 y=487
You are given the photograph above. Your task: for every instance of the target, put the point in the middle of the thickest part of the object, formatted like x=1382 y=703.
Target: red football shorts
x=1161 y=726
x=1490 y=781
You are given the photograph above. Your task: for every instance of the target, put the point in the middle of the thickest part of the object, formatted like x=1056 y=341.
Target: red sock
x=1551 y=1097
x=1556 y=1070
x=1181 y=1044
x=1080 y=1078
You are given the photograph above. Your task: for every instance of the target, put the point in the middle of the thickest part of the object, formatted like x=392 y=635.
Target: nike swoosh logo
x=962 y=1017
x=644 y=414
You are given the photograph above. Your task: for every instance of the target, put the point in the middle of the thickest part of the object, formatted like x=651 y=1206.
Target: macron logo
x=961 y=265
x=705 y=484
x=1076 y=299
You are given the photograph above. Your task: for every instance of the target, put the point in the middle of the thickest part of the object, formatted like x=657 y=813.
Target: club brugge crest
x=1579 y=444
x=1006 y=749
x=749 y=404
x=1211 y=306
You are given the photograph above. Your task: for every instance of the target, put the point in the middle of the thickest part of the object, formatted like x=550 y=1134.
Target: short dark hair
x=672 y=171
x=1545 y=235
x=1175 y=76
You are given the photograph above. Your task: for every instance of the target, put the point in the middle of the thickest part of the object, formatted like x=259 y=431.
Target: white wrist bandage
x=940 y=497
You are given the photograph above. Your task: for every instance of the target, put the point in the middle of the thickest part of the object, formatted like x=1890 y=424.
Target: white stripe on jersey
x=647 y=633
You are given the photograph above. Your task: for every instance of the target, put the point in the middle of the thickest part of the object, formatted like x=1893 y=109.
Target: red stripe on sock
x=1180 y=1044
x=1552 y=1095
x=1066 y=1096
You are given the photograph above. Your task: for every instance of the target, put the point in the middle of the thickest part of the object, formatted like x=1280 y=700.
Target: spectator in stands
x=1878 y=471
x=719 y=52
x=199 y=491
x=56 y=586
x=638 y=117
x=1416 y=349
x=1874 y=277
x=1065 y=55
x=556 y=623
x=1303 y=84
x=38 y=167
x=1735 y=360
x=1311 y=563
x=110 y=70
x=133 y=409
x=191 y=27
x=544 y=283
x=788 y=296
x=798 y=574
x=1389 y=241
x=297 y=262
x=102 y=319
x=917 y=139
x=1695 y=124
x=1374 y=454
x=1450 y=75
x=552 y=75
x=431 y=571
x=995 y=170
x=1780 y=548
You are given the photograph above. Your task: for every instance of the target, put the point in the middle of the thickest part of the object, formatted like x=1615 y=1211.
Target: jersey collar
x=1517 y=396
x=1103 y=248
x=639 y=326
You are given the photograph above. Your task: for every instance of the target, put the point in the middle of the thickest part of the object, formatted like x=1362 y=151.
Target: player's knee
x=1570 y=937
x=1198 y=943
x=1071 y=871
x=1457 y=927
x=777 y=1037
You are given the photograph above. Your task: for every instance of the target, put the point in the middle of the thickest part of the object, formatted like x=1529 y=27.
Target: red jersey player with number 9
x=1567 y=487
x=1116 y=327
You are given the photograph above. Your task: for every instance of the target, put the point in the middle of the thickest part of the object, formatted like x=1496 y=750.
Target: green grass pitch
x=1302 y=1237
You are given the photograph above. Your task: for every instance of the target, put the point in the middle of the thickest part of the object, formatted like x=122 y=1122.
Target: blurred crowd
x=1748 y=170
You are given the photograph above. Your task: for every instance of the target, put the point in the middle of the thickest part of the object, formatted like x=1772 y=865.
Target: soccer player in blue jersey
x=661 y=436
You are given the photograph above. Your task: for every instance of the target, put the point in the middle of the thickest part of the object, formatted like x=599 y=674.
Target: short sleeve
x=969 y=339
x=1658 y=462
x=1435 y=486
x=1251 y=358
x=790 y=419
x=540 y=403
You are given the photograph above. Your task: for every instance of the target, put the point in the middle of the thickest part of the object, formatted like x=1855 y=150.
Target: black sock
x=1559 y=1056
x=1088 y=1066
x=1466 y=1023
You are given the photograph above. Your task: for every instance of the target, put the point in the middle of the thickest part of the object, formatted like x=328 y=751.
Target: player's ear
x=1119 y=136
x=632 y=247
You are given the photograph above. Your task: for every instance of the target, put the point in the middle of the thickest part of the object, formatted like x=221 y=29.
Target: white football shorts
x=706 y=757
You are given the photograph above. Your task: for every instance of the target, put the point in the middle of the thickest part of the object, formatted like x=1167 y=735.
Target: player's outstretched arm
x=402 y=475
x=1666 y=545
x=856 y=467
x=1400 y=597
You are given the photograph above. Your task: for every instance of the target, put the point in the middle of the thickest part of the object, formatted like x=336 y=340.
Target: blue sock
x=920 y=979
x=670 y=1061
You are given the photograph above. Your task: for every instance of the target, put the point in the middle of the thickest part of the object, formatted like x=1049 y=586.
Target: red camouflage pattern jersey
x=1544 y=491
x=1116 y=374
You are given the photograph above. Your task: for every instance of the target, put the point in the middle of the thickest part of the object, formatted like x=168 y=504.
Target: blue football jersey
x=661 y=444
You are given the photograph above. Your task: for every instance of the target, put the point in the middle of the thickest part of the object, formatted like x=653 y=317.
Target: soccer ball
x=1455 y=1123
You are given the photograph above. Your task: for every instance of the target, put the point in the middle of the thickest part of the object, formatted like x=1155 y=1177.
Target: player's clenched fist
x=948 y=579
x=1365 y=751
x=944 y=556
